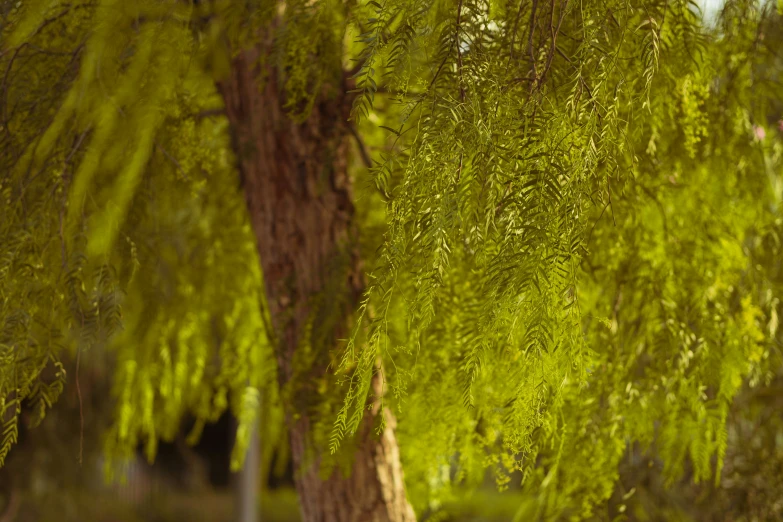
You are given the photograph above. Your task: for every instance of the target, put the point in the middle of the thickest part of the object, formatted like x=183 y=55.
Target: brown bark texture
x=298 y=192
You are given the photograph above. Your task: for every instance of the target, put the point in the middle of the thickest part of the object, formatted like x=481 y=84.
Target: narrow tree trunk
x=248 y=484
x=298 y=193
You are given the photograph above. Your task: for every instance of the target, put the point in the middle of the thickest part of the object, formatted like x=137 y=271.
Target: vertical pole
x=248 y=486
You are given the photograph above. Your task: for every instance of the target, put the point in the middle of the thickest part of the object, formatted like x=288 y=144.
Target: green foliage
x=568 y=245
x=134 y=212
x=581 y=214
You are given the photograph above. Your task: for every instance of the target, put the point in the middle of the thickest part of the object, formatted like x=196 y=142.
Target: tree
x=537 y=283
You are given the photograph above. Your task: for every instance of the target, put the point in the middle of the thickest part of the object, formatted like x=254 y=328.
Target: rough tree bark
x=298 y=192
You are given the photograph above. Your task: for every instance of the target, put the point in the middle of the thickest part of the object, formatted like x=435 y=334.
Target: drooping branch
x=554 y=31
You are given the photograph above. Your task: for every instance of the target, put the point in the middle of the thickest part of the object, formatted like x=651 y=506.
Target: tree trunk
x=298 y=192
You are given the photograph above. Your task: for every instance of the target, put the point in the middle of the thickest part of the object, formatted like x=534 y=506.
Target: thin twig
x=554 y=31
x=514 y=30
x=530 y=38
x=81 y=410
x=66 y=182
x=459 y=56
x=172 y=159
x=208 y=113
x=362 y=149
x=611 y=207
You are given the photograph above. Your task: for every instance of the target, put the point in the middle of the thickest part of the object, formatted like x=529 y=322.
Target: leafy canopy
x=579 y=204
